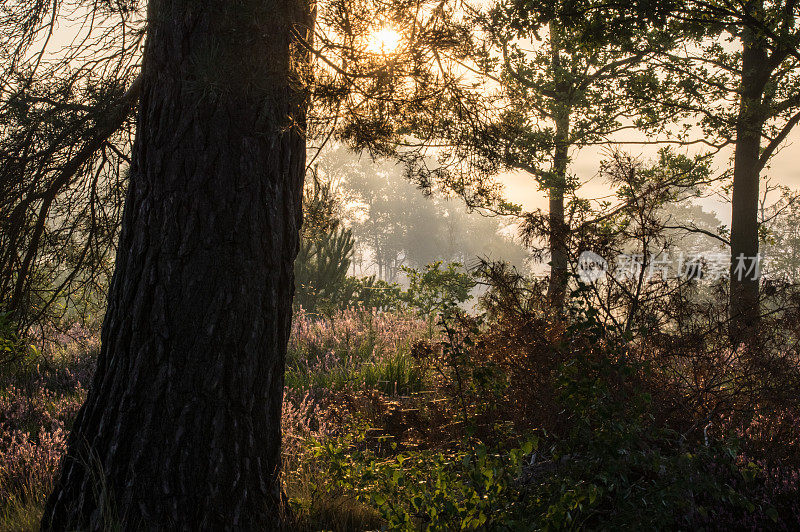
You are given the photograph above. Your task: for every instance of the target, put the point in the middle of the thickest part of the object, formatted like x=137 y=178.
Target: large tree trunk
x=744 y=289
x=181 y=428
x=557 y=184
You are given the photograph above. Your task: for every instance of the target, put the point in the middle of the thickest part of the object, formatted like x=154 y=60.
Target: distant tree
x=181 y=427
x=326 y=251
x=745 y=94
x=457 y=235
x=395 y=225
x=695 y=229
x=564 y=94
x=781 y=237
x=385 y=209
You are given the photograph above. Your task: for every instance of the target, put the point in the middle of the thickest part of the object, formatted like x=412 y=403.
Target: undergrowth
x=483 y=426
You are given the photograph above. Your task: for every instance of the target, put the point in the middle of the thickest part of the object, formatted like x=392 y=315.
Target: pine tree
x=181 y=427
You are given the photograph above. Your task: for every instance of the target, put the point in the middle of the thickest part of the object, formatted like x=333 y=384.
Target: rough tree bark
x=744 y=291
x=181 y=427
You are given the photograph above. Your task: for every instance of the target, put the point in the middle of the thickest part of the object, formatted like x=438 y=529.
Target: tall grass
x=355 y=349
x=361 y=349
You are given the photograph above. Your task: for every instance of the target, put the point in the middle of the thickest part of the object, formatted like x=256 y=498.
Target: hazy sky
x=520 y=187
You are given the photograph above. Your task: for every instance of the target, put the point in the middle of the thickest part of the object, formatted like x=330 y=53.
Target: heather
x=462 y=401
x=357 y=348
x=488 y=423
x=40 y=396
x=331 y=364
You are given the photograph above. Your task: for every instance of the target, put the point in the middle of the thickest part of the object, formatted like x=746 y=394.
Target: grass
x=18 y=516
x=395 y=374
x=360 y=417
x=353 y=351
x=315 y=507
x=40 y=394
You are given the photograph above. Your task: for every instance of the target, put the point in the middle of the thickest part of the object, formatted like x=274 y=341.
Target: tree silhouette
x=181 y=426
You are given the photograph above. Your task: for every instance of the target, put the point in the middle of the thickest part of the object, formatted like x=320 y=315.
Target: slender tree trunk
x=181 y=427
x=559 y=254
x=557 y=288
x=745 y=277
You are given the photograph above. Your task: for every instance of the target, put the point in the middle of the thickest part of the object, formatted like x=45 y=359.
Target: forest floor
x=342 y=374
x=384 y=428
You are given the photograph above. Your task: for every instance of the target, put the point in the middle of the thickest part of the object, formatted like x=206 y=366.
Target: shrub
x=32 y=442
x=434 y=291
x=460 y=490
x=355 y=348
x=610 y=459
x=616 y=468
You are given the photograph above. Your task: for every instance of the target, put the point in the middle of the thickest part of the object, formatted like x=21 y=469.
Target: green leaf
x=772 y=513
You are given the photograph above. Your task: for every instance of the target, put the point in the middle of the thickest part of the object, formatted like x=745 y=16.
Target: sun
x=384 y=41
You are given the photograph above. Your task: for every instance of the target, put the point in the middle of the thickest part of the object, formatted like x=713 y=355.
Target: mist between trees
x=267 y=246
